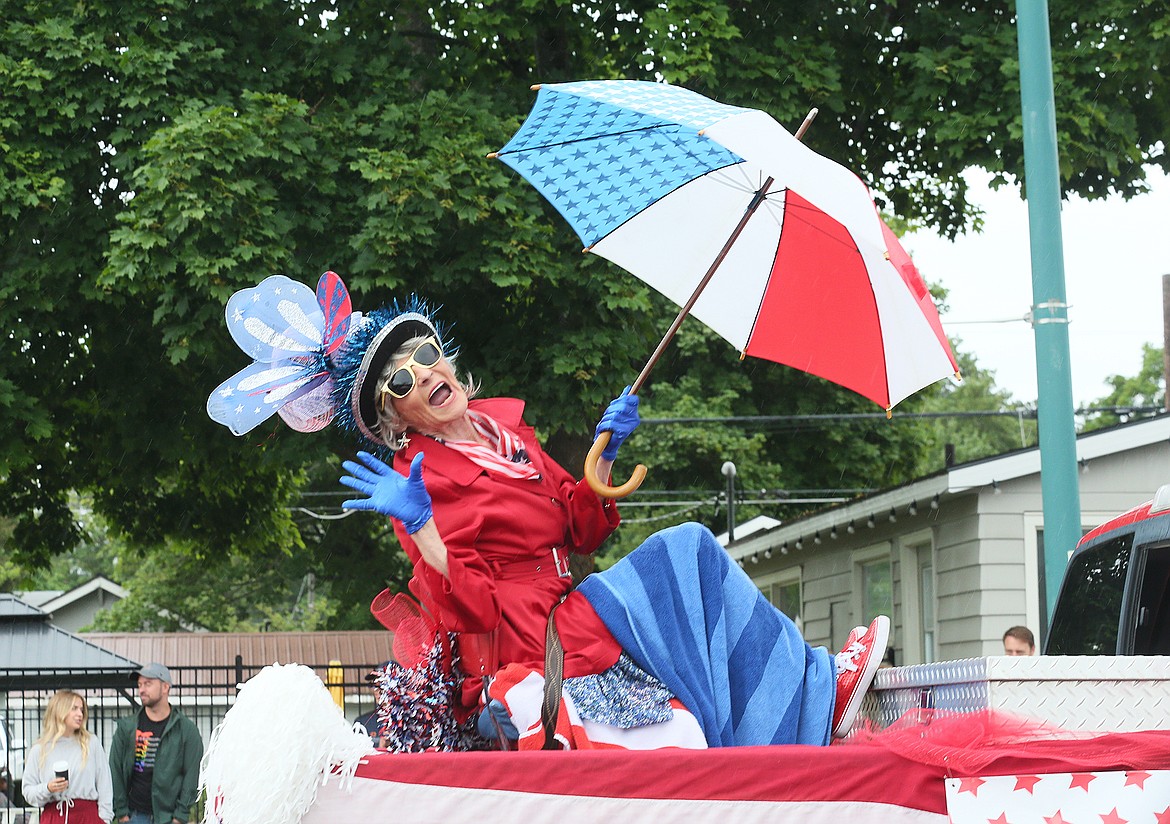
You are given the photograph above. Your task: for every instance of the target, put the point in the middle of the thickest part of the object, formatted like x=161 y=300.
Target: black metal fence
x=204 y=694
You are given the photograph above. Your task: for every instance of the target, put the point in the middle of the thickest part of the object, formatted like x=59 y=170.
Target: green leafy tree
x=173 y=587
x=1146 y=388
x=238 y=594
x=158 y=156
x=963 y=424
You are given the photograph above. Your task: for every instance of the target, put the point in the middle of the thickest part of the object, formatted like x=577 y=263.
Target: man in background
x=370 y=720
x=1019 y=641
x=154 y=757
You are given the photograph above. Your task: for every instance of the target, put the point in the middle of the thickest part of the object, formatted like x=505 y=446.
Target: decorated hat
x=315 y=360
x=367 y=350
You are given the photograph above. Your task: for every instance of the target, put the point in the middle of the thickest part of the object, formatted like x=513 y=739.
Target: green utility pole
x=1058 y=453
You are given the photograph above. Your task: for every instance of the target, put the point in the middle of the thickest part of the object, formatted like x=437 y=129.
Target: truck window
x=1153 y=620
x=1089 y=609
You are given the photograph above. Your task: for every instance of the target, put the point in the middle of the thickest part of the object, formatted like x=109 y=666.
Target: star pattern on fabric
x=1027 y=782
x=655 y=99
x=599 y=164
x=1137 y=778
x=970 y=785
x=1108 y=797
x=281 y=324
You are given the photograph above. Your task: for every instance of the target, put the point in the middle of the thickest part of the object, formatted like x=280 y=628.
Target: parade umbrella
x=777 y=249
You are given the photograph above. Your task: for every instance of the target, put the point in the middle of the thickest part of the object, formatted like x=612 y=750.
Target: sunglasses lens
x=427 y=355
x=400 y=383
x=402 y=379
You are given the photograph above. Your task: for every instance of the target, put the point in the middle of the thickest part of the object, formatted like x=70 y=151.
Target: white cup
x=61 y=768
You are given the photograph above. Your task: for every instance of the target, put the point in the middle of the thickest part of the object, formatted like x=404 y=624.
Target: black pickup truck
x=1115 y=597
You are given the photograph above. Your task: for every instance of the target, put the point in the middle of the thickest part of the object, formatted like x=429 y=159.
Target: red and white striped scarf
x=505 y=453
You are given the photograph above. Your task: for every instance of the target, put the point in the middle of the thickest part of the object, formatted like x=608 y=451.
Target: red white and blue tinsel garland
x=416 y=711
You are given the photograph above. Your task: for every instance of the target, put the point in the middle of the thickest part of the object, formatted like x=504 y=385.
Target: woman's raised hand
x=388 y=492
x=620 y=419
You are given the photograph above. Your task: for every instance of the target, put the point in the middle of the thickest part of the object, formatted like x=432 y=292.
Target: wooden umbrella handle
x=602 y=489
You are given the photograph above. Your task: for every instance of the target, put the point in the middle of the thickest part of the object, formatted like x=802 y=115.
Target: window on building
x=783 y=591
x=877 y=589
x=926 y=605
x=915 y=597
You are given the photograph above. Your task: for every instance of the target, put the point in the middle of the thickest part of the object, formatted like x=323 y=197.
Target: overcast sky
x=1115 y=253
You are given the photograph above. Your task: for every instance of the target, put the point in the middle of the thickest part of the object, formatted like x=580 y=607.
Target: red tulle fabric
x=414 y=630
x=990 y=742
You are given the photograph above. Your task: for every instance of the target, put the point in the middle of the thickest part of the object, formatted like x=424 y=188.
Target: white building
x=956 y=557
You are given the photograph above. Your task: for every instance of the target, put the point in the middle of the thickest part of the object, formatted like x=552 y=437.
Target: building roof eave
x=956 y=480
x=920 y=492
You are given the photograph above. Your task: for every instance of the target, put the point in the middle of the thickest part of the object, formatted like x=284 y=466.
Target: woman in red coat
x=671 y=646
x=488 y=520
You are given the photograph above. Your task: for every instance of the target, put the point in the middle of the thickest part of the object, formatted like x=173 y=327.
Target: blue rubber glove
x=388 y=492
x=494 y=721
x=620 y=419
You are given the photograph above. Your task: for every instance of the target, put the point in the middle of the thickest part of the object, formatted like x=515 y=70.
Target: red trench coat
x=497 y=532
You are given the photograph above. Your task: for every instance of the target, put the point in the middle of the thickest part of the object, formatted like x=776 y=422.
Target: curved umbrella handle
x=605 y=490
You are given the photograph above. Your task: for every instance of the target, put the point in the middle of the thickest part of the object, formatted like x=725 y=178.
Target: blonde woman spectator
x=66 y=773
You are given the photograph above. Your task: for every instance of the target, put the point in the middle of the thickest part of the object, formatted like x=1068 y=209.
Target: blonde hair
x=53 y=729
x=390 y=424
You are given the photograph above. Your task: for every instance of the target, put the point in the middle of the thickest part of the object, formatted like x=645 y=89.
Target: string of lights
x=685 y=501
x=680 y=502
x=1026 y=412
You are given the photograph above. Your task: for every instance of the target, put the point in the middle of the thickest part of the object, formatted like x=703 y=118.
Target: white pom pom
x=282 y=740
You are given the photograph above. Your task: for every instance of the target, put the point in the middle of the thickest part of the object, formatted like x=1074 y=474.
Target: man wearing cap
x=154 y=757
x=370 y=720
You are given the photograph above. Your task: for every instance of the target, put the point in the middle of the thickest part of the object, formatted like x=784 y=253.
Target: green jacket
x=175 y=785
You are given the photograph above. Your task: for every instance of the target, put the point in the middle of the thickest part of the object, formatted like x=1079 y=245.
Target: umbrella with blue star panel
x=777 y=249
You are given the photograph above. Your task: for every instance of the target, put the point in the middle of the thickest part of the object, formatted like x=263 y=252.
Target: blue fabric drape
x=688 y=615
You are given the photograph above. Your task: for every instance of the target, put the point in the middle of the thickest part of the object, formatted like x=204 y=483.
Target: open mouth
x=440 y=394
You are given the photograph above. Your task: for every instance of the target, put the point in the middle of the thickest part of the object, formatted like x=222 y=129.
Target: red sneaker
x=856 y=665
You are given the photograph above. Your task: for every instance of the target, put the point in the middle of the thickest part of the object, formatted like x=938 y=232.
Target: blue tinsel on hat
x=347 y=364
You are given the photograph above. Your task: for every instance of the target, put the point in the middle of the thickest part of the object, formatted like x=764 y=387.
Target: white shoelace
x=847 y=658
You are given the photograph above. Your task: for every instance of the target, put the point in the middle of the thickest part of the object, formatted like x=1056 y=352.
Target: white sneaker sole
x=881 y=628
